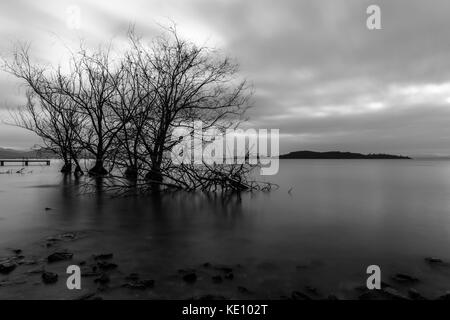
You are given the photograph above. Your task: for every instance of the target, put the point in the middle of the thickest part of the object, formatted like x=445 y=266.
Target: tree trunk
x=131 y=173
x=98 y=169
x=67 y=167
x=154 y=177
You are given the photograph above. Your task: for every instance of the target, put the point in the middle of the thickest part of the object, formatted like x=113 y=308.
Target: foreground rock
x=103 y=279
x=49 y=277
x=297 y=295
x=190 y=277
x=415 y=295
x=404 y=278
x=209 y=297
x=445 y=297
x=383 y=294
x=59 y=256
x=244 y=290
x=7 y=267
x=140 y=284
x=106 y=266
x=103 y=256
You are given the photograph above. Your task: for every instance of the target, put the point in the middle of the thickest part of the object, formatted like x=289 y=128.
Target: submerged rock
x=210 y=297
x=132 y=277
x=140 y=284
x=432 y=260
x=445 y=297
x=415 y=295
x=229 y=276
x=36 y=270
x=243 y=290
x=404 y=278
x=7 y=267
x=59 y=256
x=225 y=269
x=103 y=256
x=103 y=279
x=190 y=277
x=106 y=266
x=297 y=295
x=6 y=283
x=49 y=277
x=383 y=294
x=394 y=294
x=312 y=290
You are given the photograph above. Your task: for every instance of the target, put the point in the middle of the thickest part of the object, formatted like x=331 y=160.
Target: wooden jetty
x=24 y=162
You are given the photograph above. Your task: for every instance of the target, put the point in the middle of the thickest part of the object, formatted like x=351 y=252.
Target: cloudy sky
x=319 y=75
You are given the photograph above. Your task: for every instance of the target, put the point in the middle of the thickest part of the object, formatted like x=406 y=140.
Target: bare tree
x=123 y=112
x=47 y=113
x=190 y=84
x=91 y=87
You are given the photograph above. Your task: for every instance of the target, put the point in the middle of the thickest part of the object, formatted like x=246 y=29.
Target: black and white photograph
x=242 y=151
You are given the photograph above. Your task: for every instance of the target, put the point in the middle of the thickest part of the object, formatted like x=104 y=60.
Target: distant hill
x=337 y=155
x=32 y=154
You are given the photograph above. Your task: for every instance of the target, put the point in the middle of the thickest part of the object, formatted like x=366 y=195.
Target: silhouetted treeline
x=338 y=155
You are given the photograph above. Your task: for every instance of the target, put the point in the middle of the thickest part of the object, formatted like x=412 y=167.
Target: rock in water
x=217 y=279
x=106 y=265
x=104 y=279
x=49 y=277
x=434 y=261
x=296 y=295
x=140 y=284
x=190 y=277
x=7 y=267
x=132 y=277
x=229 y=276
x=59 y=256
x=400 y=277
x=445 y=297
x=415 y=295
x=394 y=294
x=243 y=290
x=103 y=256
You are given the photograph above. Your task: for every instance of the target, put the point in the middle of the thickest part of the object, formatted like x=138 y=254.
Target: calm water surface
x=339 y=217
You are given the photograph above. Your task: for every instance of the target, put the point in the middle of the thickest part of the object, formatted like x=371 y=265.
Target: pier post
x=2 y=163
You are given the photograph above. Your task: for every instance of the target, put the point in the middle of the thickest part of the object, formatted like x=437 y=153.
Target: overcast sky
x=319 y=75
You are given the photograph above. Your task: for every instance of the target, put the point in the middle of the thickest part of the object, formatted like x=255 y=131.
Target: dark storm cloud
x=318 y=73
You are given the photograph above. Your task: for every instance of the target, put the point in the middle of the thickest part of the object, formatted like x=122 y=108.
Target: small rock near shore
x=229 y=276
x=415 y=295
x=103 y=279
x=103 y=256
x=217 y=279
x=190 y=277
x=404 y=278
x=59 y=256
x=49 y=277
x=296 y=295
x=7 y=267
x=106 y=265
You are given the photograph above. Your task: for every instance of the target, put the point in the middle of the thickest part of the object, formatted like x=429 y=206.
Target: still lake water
x=340 y=217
